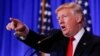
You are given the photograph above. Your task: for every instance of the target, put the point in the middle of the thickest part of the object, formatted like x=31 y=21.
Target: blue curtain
x=27 y=11
x=95 y=15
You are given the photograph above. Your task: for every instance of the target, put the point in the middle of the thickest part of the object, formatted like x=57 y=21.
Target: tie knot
x=71 y=38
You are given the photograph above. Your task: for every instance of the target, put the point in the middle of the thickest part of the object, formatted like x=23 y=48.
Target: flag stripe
x=44 y=21
x=86 y=11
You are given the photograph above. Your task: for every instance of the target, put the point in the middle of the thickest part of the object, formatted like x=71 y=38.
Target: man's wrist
x=22 y=35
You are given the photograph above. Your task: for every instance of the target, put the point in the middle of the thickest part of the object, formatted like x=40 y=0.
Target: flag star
x=41 y=4
x=80 y=2
x=49 y=13
x=45 y=19
x=85 y=11
x=49 y=20
x=46 y=12
x=48 y=28
x=89 y=21
x=86 y=3
x=39 y=18
x=42 y=33
x=38 y=26
x=88 y=29
x=47 y=5
x=40 y=11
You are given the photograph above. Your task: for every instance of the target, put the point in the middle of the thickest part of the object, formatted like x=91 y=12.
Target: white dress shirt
x=75 y=42
x=77 y=39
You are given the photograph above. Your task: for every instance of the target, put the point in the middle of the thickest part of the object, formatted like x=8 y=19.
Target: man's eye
x=64 y=15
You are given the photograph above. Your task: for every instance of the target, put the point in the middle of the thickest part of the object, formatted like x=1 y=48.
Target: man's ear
x=79 y=18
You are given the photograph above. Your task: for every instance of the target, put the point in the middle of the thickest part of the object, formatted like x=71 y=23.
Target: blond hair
x=75 y=6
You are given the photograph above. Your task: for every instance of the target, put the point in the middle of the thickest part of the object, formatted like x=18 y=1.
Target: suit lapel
x=84 y=42
x=59 y=48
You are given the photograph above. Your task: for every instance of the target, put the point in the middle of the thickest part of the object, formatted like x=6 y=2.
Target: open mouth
x=63 y=27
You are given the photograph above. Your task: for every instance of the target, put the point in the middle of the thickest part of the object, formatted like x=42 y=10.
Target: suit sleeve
x=45 y=46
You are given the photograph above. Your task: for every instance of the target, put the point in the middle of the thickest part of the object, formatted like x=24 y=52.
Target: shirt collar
x=79 y=34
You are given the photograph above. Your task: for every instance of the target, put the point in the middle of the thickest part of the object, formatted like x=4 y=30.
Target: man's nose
x=61 y=21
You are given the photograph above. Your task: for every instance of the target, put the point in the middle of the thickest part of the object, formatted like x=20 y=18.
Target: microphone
x=52 y=33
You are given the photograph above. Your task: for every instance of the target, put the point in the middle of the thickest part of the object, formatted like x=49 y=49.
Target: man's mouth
x=63 y=27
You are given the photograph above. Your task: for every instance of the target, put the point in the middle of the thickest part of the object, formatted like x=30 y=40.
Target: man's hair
x=75 y=6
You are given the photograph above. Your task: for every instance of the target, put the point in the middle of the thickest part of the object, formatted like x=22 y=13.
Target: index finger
x=14 y=20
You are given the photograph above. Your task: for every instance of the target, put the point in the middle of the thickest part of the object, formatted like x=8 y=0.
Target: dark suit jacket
x=56 y=44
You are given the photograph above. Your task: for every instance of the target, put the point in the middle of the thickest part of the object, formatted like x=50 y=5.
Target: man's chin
x=65 y=34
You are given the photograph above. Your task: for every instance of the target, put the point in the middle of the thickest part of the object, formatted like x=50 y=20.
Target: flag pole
x=43 y=9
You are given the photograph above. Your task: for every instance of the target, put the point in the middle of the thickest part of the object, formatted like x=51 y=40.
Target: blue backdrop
x=27 y=11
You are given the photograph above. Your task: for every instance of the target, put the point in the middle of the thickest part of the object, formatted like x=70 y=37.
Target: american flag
x=44 y=21
x=86 y=12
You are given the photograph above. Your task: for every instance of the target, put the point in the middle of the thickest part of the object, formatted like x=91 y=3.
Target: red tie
x=70 y=47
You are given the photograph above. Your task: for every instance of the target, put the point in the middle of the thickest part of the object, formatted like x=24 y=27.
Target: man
x=71 y=20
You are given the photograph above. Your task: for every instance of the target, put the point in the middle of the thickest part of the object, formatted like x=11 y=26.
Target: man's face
x=67 y=20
